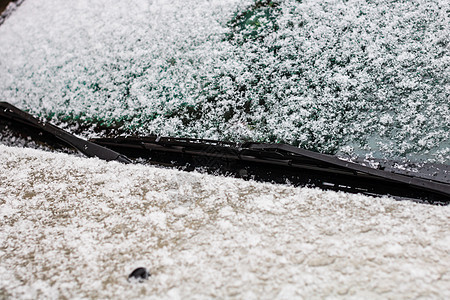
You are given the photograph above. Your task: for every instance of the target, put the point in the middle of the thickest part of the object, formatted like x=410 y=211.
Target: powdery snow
x=358 y=76
x=75 y=228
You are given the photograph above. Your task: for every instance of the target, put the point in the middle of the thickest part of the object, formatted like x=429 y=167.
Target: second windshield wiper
x=282 y=163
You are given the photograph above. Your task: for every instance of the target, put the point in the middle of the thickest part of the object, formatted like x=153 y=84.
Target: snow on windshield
x=348 y=77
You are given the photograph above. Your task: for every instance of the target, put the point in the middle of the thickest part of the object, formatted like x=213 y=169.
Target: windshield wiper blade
x=410 y=180
x=276 y=163
x=15 y=115
x=280 y=163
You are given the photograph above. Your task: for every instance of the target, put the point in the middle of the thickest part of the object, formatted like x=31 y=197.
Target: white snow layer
x=75 y=228
x=333 y=76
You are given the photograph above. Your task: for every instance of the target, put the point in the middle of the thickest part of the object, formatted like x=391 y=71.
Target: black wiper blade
x=410 y=180
x=280 y=163
x=276 y=163
x=15 y=115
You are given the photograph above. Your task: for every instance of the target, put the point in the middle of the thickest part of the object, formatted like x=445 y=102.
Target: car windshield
x=361 y=80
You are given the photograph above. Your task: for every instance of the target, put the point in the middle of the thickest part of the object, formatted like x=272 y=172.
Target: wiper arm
x=12 y=113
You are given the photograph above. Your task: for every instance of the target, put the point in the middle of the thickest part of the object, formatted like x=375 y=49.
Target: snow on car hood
x=73 y=227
